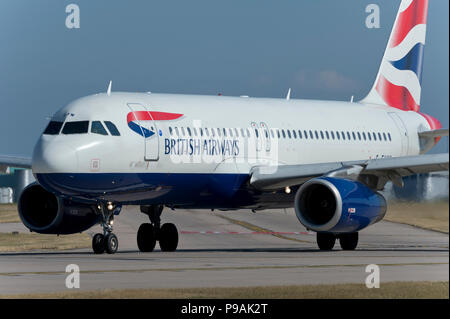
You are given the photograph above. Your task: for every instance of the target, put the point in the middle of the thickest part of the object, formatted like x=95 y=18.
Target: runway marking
x=258 y=229
x=217 y=268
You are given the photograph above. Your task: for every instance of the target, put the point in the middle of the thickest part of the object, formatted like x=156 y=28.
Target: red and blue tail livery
x=399 y=79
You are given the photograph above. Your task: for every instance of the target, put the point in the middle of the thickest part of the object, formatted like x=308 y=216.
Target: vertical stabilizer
x=399 y=79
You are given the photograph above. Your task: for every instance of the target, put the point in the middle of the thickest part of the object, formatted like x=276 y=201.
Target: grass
x=390 y=290
x=10 y=242
x=434 y=216
x=9 y=214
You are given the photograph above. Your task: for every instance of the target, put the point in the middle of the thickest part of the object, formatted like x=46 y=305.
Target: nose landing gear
x=108 y=240
x=149 y=233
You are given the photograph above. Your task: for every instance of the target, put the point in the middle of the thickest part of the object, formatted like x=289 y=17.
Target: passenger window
x=53 y=128
x=256 y=133
x=289 y=133
x=369 y=136
x=294 y=133
x=311 y=134
x=359 y=136
x=332 y=135
x=348 y=135
x=112 y=128
x=77 y=127
x=242 y=132
x=170 y=131
x=189 y=131
x=97 y=128
x=374 y=136
x=195 y=131
x=338 y=135
x=384 y=136
x=389 y=135
x=236 y=131
x=327 y=135
x=379 y=136
x=300 y=134
x=364 y=136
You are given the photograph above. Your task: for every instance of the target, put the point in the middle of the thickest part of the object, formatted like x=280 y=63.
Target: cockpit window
x=97 y=128
x=77 y=127
x=53 y=128
x=112 y=128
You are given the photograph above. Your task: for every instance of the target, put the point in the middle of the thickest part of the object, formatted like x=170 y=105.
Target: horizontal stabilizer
x=434 y=133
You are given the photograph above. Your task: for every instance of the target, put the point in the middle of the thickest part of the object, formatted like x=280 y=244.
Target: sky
x=321 y=49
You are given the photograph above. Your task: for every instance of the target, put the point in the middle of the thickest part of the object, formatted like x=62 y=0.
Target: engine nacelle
x=337 y=205
x=45 y=213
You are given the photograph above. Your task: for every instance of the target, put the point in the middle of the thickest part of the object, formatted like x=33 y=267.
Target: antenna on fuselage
x=352 y=98
x=108 y=92
x=288 y=96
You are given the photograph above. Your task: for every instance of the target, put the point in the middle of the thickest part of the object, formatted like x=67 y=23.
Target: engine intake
x=45 y=213
x=337 y=205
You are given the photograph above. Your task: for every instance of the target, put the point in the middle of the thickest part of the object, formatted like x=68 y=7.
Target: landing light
x=287 y=190
x=110 y=206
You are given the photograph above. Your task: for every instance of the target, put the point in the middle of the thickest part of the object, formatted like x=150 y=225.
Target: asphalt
x=229 y=249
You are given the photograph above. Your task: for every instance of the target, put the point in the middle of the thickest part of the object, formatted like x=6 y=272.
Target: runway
x=229 y=249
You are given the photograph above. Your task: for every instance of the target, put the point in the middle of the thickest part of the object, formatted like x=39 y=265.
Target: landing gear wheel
x=111 y=243
x=98 y=245
x=146 y=240
x=168 y=237
x=326 y=241
x=348 y=241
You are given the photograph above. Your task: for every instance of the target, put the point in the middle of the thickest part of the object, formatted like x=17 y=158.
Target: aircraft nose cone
x=54 y=158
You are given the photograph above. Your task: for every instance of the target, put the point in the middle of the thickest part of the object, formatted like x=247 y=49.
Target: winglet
x=109 y=88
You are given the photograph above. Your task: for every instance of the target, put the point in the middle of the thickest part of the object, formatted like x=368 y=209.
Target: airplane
x=326 y=159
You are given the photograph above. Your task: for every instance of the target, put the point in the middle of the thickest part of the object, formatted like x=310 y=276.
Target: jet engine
x=43 y=212
x=336 y=205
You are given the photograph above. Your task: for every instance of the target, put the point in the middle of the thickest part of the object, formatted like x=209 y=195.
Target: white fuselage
x=178 y=147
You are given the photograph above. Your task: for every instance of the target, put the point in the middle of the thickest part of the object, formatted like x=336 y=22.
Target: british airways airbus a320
x=327 y=159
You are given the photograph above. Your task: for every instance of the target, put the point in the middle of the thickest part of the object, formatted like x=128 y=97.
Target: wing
x=14 y=161
x=375 y=173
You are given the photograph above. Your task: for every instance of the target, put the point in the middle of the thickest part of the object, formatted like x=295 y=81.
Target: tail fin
x=399 y=79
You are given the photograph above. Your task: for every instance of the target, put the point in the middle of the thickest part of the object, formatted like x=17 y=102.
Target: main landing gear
x=149 y=233
x=108 y=240
x=348 y=241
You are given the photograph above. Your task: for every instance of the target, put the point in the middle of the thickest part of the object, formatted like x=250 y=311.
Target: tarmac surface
x=228 y=249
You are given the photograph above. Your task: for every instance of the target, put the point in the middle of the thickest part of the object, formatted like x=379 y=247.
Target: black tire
x=111 y=243
x=168 y=237
x=326 y=241
x=98 y=245
x=348 y=241
x=146 y=239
